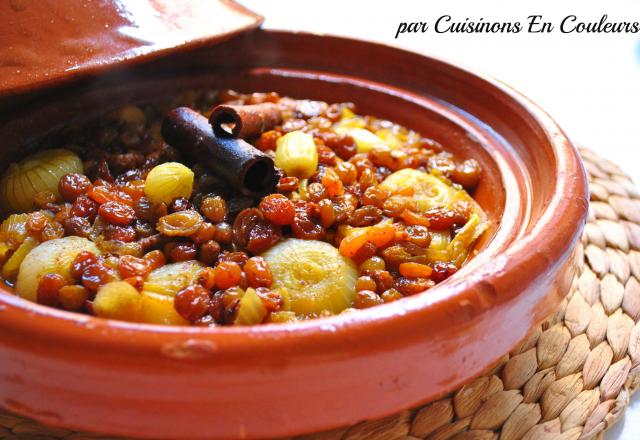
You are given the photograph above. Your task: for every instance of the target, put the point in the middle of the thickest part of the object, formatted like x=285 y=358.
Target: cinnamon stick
x=245 y=121
x=241 y=165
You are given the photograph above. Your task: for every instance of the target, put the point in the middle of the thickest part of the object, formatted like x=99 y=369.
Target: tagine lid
x=44 y=42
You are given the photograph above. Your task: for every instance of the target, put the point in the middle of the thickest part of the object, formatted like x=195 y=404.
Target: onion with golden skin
x=35 y=173
x=168 y=181
x=251 y=310
x=296 y=154
x=160 y=288
x=53 y=256
x=314 y=277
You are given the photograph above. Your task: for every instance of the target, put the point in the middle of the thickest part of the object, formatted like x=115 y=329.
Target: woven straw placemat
x=570 y=379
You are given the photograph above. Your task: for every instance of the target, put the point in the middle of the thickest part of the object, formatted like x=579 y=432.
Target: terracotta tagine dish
x=263 y=233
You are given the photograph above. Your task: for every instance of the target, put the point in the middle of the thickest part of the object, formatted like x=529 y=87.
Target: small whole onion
x=168 y=181
x=39 y=172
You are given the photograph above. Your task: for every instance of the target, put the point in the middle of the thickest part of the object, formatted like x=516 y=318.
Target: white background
x=589 y=83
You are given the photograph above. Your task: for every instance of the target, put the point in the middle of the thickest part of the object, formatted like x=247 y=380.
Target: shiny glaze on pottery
x=140 y=380
x=46 y=41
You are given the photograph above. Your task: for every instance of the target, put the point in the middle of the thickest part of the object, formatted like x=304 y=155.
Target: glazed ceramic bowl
x=81 y=372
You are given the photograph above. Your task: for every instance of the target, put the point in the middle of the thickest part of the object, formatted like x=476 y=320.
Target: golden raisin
x=228 y=274
x=373 y=263
x=130 y=266
x=155 y=259
x=375 y=195
x=36 y=223
x=224 y=233
x=49 y=289
x=267 y=140
x=73 y=297
x=277 y=209
x=287 y=184
x=95 y=275
x=177 y=251
x=347 y=172
x=52 y=231
x=258 y=272
x=412 y=286
x=412 y=218
x=80 y=262
x=180 y=224
x=365 y=282
x=206 y=278
x=467 y=173
x=390 y=295
x=414 y=270
x=327 y=213
x=272 y=299
x=366 y=298
x=332 y=183
x=206 y=232
x=214 y=208
x=192 y=302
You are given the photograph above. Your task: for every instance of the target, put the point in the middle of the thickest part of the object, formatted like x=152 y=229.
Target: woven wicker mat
x=571 y=379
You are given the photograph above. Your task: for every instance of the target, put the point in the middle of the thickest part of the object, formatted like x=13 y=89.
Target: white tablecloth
x=590 y=83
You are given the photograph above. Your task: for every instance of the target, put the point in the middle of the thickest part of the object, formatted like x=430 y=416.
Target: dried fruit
x=258 y=272
x=117 y=214
x=73 y=185
x=192 y=302
x=214 y=208
x=277 y=209
x=180 y=224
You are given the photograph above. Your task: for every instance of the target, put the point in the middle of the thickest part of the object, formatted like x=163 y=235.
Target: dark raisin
x=144 y=209
x=287 y=184
x=443 y=218
x=177 y=251
x=79 y=226
x=412 y=286
x=95 y=275
x=365 y=216
x=117 y=213
x=251 y=231
x=306 y=228
x=125 y=234
x=85 y=207
x=49 y=288
x=72 y=185
x=192 y=302
x=208 y=252
x=442 y=271
x=180 y=204
x=80 y=262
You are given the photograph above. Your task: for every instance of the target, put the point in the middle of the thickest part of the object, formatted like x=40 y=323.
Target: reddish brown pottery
x=80 y=372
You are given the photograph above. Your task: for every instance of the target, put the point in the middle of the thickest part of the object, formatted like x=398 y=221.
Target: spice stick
x=244 y=121
x=242 y=166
